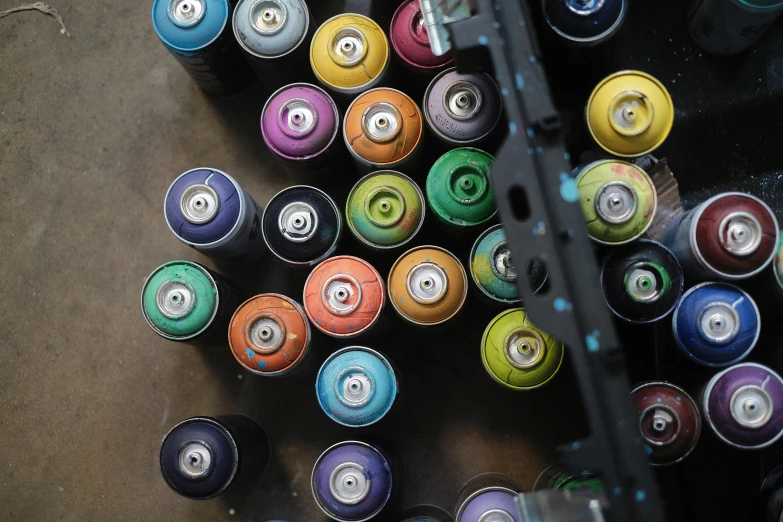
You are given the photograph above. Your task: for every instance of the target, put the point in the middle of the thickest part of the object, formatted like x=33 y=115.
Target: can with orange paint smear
x=344 y=297
x=269 y=335
x=383 y=130
x=427 y=286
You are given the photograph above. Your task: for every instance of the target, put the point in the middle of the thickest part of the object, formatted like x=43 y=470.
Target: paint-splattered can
x=630 y=114
x=774 y=276
x=730 y=236
x=669 y=421
x=349 y=54
x=352 y=481
x=462 y=109
x=743 y=405
x=208 y=210
x=299 y=124
x=274 y=35
x=382 y=129
x=202 y=457
x=269 y=335
x=302 y=226
x=485 y=497
x=198 y=34
x=458 y=189
x=493 y=271
x=731 y=26
x=425 y=513
x=517 y=354
x=555 y=477
x=344 y=296
x=411 y=43
x=618 y=201
x=642 y=281
x=427 y=286
x=716 y=324
x=183 y=301
x=385 y=209
x=585 y=22
x=356 y=386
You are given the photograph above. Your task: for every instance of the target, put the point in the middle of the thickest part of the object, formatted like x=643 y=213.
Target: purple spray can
x=489 y=496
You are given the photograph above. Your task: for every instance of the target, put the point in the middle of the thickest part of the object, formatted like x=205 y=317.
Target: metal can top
x=382 y=126
x=517 y=354
x=716 y=324
x=269 y=334
x=736 y=235
x=462 y=108
x=630 y=114
x=385 y=209
x=299 y=121
x=344 y=296
x=349 y=52
x=179 y=300
x=356 y=386
x=669 y=421
x=202 y=206
x=189 y=25
x=427 y=285
x=408 y=35
x=491 y=267
x=351 y=481
x=271 y=28
x=489 y=504
x=585 y=21
x=744 y=406
x=458 y=190
x=618 y=201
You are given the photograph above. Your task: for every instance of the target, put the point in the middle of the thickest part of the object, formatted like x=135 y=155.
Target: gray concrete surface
x=93 y=129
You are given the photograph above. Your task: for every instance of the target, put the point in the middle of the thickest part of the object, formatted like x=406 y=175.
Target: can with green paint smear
x=184 y=301
x=517 y=354
x=385 y=210
x=555 y=477
x=458 y=189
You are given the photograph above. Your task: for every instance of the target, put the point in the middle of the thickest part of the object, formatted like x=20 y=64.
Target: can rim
x=339 y=445
x=332 y=248
x=422 y=200
x=180 y=338
x=256 y=54
x=473 y=273
x=691 y=356
x=593 y=40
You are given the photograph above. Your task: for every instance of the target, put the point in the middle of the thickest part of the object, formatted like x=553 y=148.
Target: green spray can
x=517 y=354
x=458 y=189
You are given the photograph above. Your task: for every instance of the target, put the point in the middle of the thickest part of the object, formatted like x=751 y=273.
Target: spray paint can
x=630 y=114
x=731 y=26
x=208 y=210
x=356 y=386
x=517 y=354
x=344 y=296
x=302 y=226
x=349 y=54
x=198 y=34
x=425 y=513
x=202 y=457
x=299 y=124
x=743 y=405
x=274 y=36
x=411 y=44
x=493 y=271
x=427 y=286
x=269 y=335
x=185 y=302
x=385 y=210
x=730 y=236
x=774 y=276
x=555 y=477
x=642 y=281
x=716 y=324
x=618 y=201
x=352 y=481
x=458 y=189
x=382 y=129
x=485 y=497
x=585 y=22
x=462 y=109
x=669 y=421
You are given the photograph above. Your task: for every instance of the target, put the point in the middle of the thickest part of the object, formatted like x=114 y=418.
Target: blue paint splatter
x=539 y=229
x=520 y=81
x=641 y=495
x=483 y=40
x=595 y=22
x=504 y=91
x=568 y=190
x=618 y=490
x=592 y=341
x=496 y=25
x=351 y=327
x=566 y=156
x=317 y=320
x=576 y=445
x=250 y=353
x=679 y=398
x=532 y=59
x=647 y=449
x=262 y=364
x=521 y=23
x=561 y=305
x=512 y=128
x=399 y=299
x=530 y=133
x=539 y=149
x=658 y=400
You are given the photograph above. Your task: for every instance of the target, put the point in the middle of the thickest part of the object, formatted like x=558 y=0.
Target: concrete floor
x=93 y=129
